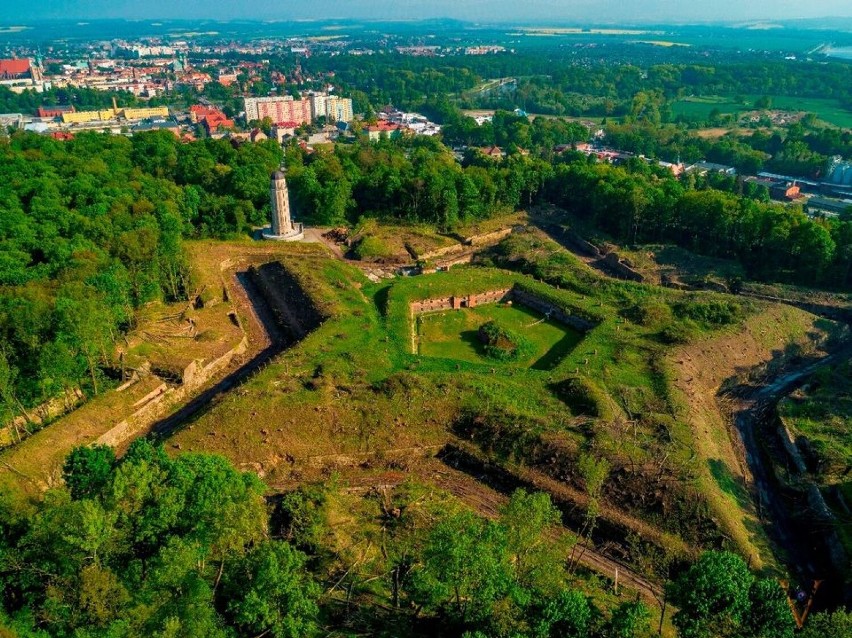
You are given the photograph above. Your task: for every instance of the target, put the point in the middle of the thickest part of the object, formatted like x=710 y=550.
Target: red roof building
x=14 y=69
x=211 y=118
x=54 y=111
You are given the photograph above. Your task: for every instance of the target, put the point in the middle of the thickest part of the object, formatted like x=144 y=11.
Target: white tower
x=283 y=228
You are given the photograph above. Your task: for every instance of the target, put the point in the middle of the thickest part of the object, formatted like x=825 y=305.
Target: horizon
x=723 y=12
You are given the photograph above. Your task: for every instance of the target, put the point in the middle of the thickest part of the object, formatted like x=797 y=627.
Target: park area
x=454 y=334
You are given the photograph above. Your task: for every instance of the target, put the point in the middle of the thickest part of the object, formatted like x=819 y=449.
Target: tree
x=568 y=615
x=837 y=624
x=712 y=596
x=87 y=470
x=537 y=557
x=464 y=568
x=629 y=620
x=270 y=593
x=769 y=616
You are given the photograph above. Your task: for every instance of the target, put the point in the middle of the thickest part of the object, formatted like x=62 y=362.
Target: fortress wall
x=497 y=296
x=488 y=238
x=547 y=308
x=432 y=305
x=293 y=309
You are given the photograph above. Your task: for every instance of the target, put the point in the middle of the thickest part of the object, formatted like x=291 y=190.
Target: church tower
x=283 y=228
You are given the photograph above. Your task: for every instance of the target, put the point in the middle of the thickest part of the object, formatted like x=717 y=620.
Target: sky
x=555 y=11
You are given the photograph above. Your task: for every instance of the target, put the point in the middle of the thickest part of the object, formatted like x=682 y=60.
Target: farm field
x=453 y=334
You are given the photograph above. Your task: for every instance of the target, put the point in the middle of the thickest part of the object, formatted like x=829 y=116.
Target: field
x=827 y=110
x=453 y=335
x=701 y=107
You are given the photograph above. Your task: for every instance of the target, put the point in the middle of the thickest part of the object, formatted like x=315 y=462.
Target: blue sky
x=561 y=11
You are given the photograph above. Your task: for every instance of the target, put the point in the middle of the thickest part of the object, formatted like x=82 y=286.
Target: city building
x=825 y=207
x=54 y=111
x=702 y=168
x=115 y=113
x=19 y=75
x=15 y=69
x=331 y=107
x=278 y=109
x=375 y=131
x=283 y=130
x=211 y=118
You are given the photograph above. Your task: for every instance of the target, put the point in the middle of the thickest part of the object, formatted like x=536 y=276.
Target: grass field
x=826 y=109
x=699 y=108
x=453 y=334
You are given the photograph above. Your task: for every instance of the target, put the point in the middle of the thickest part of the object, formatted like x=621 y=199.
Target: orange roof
x=14 y=67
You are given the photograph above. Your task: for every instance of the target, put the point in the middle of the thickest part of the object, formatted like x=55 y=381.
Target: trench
x=284 y=322
x=796 y=519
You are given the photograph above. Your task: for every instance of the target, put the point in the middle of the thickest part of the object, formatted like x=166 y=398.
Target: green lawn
x=699 y=108
x=453 y=334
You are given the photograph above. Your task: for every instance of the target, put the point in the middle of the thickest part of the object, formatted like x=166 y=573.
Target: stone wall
x=619 y=268
x=294 y=311
x=456 y=302
x=156 y=403
x=551 y=310
x=488 y=238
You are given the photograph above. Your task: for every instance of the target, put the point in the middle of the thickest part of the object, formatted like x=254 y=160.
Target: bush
x=679 y=332
x=502 y=344
x=583 y=397
x=712 y=313
x=649 y=313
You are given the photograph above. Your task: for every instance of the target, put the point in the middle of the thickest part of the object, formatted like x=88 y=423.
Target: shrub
x=649 y=313
x=583 y=397
x=678 y=333
x=713 y=313
x=500 y=343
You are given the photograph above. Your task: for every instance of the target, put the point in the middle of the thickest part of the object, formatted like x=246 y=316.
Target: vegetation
x=500 y=343
x=718 y=596
x=456 y=335
x=151 y=546
x=91 y=231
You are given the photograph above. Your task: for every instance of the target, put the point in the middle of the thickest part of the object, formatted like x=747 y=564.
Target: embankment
x=702 y=378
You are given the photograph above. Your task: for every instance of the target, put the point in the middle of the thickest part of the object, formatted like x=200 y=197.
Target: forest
x=187 y=546
x=418 y=181
x=91 y=229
